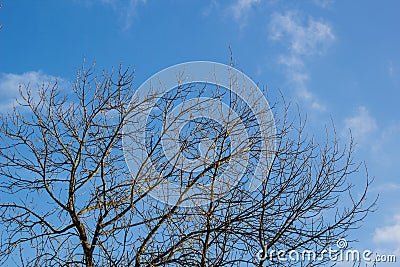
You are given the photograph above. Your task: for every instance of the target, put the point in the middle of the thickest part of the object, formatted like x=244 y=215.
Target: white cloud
x=390 y=233
x=210 y=7
x=10 y=84
x=385 y=147
x=241 y=8
x=380 y=139
x=362 y=124
x=126 y=9
x=323 y=3
x=290 y=60
x=387 y=238
x=386 y=187
x=390 y=69
x=303 y=38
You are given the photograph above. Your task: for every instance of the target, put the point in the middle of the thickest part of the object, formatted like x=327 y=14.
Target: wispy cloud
x=386 y=187
x=241 y=9
x=210 y=7
x=10 y=84
x=387 y=238
x=361 y=124
x=391 y=68
x=126 y=10
x=379 y=139
x=390 y=233
x=302 y=38
x=385 y=147
x=323 y=3
x=305 y=38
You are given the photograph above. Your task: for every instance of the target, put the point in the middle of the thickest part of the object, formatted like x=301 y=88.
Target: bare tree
x=68 y=198
x=1 y=25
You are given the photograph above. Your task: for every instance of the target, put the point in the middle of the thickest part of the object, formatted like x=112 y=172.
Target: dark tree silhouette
x=68 y=198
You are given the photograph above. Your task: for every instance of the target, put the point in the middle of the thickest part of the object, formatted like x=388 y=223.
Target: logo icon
x=196 y=130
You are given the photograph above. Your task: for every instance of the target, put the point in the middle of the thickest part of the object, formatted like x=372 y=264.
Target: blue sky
x=336 y=59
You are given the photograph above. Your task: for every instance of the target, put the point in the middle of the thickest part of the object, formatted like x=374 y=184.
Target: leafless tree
x=68 y=197
x=1 y=25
